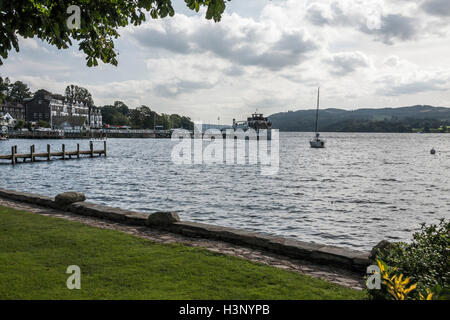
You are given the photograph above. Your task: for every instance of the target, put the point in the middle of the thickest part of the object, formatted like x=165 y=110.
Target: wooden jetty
x=14 y=157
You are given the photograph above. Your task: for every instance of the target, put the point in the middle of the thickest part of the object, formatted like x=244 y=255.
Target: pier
x=14 y=157
x=92 y=134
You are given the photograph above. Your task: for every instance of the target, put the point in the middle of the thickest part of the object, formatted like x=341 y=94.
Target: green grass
x=36 y=250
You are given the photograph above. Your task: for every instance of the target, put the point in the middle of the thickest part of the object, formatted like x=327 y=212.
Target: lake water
x=359 y=190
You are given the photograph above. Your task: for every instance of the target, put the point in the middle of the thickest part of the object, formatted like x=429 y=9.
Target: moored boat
x=317 y=142
x=257 y=122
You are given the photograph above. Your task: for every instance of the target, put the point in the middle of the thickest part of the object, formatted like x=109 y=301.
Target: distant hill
x=403 y=119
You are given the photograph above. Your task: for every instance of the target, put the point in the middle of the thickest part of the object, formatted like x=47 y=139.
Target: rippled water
x=359 y=190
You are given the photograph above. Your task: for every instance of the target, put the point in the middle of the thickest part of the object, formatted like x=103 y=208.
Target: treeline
x=119 y=114
x=404 y=126
x=404 y=119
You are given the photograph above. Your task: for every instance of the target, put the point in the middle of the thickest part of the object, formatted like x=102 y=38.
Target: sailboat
x=316 y=142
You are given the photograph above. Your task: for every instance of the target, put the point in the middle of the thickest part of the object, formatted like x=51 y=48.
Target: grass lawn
x=36 y=250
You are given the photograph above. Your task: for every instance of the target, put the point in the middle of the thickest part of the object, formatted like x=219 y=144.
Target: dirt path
x=331 y=274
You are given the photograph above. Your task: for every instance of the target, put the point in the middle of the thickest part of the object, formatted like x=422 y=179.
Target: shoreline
x=323 y=255
x=333 y=275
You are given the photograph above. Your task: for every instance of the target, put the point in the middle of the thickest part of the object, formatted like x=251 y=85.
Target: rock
x=382 y=245
x=67 y=198
x=162 y=218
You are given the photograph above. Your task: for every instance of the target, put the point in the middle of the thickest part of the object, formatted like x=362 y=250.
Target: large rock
x=67 y=198
x=162 y=218
x=382 y=245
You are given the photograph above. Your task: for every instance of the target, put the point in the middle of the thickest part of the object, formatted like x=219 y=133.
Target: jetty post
x=32 y=149
x=104 y=147
x=91 y=145
x=48 y=153
x=64 y=152
x=13 y=155
x=78 y=151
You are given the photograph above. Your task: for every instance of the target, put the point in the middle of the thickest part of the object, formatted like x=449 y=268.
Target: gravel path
x=331 y=274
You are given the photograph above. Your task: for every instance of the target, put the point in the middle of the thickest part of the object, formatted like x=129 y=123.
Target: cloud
x=347 y=62
x=368 y=18
x=238 y=40
x=319 y=14
x=166 y=39
x=181 y=86
x=414 y=87
x=437 y=7
x=413 y=83
x=395 y=27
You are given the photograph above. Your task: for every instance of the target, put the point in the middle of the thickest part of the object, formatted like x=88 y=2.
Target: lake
x=361 y=189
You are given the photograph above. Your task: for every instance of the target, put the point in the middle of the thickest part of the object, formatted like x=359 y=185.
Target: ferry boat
x=256 y=122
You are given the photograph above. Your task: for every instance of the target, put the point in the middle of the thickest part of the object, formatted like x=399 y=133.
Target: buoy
x=433 y=151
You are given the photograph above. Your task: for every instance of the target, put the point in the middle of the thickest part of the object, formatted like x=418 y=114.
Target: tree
x=122 y=108
x=120 y=120
x=111 y=115
x=142 y=117
x=99 y=22
x=18 y=92
x=4 y=88
x=42 y=93
x=19 y=125
x=43 y=124
x=75 y=93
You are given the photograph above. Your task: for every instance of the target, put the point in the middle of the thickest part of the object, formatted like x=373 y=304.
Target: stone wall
x=330 y=255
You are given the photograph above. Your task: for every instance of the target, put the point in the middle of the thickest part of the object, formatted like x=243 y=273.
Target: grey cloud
x=316 y=15
x=180 y=87
x=234 y=71
x=291 y=49
x=347 y=62
x=415 y=87
x=437 y=7
x=332 y=14
x=171 y=40
x=395 y=26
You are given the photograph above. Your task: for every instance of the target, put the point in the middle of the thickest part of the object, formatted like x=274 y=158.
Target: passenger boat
x=257 y=122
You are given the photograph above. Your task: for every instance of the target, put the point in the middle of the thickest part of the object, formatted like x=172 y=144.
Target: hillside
x=403 y=119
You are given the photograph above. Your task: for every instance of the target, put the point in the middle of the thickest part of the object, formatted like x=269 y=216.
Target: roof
x=71 y=121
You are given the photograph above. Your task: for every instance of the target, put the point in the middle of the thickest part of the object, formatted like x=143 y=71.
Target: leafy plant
x=425 y=262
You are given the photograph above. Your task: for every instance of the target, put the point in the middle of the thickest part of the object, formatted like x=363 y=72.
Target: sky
x=265 y=56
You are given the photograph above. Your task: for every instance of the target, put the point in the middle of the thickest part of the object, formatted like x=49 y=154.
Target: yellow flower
x=396 y=284
x=411 y=288
x=429 y=296
x=380 y=265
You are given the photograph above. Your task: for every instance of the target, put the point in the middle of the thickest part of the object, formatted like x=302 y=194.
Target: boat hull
x=317 y=144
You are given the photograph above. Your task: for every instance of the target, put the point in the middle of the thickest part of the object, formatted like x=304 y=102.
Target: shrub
x=425 y=262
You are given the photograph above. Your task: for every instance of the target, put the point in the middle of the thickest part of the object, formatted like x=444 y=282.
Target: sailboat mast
x=317 y=111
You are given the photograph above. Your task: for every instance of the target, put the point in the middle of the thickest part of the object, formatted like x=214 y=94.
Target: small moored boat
x=316 y=142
